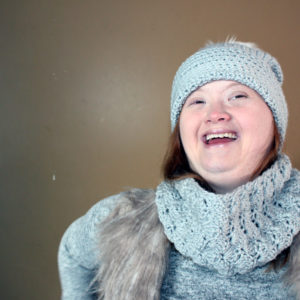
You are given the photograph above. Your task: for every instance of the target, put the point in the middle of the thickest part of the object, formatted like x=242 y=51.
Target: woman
x=224 y=223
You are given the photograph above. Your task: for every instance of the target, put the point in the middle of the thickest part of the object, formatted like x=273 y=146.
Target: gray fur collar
x=134 y=251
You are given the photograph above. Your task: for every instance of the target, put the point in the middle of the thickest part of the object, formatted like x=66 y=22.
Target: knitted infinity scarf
x=235 y=232
x=231 y=233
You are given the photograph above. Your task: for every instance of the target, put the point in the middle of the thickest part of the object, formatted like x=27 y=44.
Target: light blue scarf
x=235 y=232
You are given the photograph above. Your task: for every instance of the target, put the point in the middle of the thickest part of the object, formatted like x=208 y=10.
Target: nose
x=217 y=113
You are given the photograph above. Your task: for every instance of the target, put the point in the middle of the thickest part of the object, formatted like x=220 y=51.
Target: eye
x=238 y=96
x=197 y=101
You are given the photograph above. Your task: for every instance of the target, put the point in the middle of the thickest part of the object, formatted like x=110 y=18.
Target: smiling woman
x=220 y=133
x=224 y=223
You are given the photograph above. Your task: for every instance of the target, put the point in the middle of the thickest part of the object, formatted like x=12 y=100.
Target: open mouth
x=219 y=138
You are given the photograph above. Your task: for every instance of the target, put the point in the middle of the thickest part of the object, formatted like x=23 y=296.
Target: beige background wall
x=85 y=91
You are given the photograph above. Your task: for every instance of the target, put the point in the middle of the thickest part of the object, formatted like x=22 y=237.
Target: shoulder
x=81 y=239
x=89 y=221
x=124 y=201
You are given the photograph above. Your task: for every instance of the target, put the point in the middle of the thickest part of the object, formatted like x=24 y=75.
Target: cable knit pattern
x=232 y=61
x=235 y=232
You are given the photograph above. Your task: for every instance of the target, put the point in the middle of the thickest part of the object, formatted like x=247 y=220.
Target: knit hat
x=237 y=61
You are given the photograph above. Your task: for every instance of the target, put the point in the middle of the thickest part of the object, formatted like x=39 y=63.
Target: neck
x=227 y=186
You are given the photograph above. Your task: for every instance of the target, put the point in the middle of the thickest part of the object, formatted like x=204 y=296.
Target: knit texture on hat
x=235 y=232
x=232 y=61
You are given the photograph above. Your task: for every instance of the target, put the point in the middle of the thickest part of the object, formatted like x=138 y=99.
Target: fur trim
x=133 y=249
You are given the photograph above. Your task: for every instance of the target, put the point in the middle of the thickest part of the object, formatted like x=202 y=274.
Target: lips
x=219 y=137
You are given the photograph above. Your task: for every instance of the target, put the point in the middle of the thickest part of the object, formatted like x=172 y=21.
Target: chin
x=219 y=167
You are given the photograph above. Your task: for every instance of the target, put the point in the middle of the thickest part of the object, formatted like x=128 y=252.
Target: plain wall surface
x=85 y=88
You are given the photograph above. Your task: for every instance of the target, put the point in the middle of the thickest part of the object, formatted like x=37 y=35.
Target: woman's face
x=226 y=130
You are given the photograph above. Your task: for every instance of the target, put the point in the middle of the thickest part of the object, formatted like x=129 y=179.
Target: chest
x=186 y=280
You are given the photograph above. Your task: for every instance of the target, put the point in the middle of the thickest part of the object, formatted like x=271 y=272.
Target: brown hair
x=175 y=167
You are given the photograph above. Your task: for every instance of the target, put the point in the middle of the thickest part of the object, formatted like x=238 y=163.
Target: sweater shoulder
x=80 y=240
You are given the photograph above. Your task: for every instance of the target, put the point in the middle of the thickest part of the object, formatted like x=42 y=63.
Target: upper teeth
x=220 y=135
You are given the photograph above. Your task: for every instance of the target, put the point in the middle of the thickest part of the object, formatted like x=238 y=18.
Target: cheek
x=185 y=134
x=261 y=128
x=188 y=128
x=190 y=120
x=264 y=120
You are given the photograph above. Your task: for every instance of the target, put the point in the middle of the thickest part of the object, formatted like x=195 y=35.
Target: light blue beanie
x=241 y=62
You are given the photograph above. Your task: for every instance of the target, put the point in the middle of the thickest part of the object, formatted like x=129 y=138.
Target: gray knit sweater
x=185 y=278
